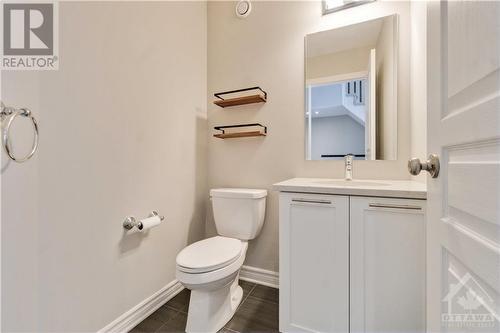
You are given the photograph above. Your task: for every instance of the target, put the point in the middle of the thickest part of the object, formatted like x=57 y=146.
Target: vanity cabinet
x=387 y=265
x=314 y=263
x=351 y=263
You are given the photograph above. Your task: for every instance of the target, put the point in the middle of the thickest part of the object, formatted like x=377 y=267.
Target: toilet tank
x=238 y=212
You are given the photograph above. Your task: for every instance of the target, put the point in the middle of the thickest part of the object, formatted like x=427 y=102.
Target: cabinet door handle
x=315 y=201
x=409 y=207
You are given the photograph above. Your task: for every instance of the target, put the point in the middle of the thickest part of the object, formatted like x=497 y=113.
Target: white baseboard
x=260 y=276
x=141 y=311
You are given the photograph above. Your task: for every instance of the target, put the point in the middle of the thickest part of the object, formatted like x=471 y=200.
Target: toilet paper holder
x=131 y=221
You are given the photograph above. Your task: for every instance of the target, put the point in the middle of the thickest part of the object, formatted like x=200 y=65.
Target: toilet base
x=210 y=310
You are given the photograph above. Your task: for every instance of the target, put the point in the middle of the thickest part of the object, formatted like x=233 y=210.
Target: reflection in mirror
x=351 y=87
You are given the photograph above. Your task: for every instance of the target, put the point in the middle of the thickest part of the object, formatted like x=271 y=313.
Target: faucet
x=348 y=166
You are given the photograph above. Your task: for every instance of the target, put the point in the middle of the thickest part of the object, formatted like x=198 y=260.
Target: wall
x=267 y=49
x=385 y=64
x=345 y=62
x=123 y=131
x=336 y=135
x=326 y=96
x=419 y=83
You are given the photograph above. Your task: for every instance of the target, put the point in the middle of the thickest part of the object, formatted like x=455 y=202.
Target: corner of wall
x=418 y=83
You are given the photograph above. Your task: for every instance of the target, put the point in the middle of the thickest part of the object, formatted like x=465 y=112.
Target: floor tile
x=180 y=301
x=176 y=324
x=226 y=330
x=255 y=315
x=247 y=287
x=266 y=293
x=149 y=325
x=155 y=320
x=164 y=313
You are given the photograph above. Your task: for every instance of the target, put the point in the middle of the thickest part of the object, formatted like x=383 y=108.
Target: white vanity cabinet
x=314 y=263
x=387 y=265
x=351 y=263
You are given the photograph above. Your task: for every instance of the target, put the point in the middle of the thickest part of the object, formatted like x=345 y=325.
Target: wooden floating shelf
x=239 y=135
x=246 y=134
x=240 y=100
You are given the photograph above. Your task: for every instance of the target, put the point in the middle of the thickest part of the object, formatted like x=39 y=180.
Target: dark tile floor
x=258 y=312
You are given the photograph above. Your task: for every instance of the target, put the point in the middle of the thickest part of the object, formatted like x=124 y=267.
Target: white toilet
x=210 y=268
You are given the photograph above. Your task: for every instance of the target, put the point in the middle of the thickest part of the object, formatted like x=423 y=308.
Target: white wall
x=419 y=83
x=123 y=131
x=326 y=96
x=267 y=49
x=336 y=135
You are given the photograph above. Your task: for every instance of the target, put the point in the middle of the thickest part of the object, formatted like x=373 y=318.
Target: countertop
x=359 y=187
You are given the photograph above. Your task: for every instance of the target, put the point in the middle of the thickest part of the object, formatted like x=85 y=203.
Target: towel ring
x=13 y=113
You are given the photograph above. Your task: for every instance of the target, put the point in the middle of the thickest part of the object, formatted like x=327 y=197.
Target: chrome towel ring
x=10 y=114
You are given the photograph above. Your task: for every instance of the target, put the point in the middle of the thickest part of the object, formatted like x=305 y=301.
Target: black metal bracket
x=222 y=128
x=333 y=155
x=239 y=90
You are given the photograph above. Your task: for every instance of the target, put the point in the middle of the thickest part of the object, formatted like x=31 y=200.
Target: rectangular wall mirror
x=351 y=91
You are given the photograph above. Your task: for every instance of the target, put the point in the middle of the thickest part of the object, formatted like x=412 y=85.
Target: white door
x=387 y=265
x=314 y=263
x=463 y=226
x=371 y=106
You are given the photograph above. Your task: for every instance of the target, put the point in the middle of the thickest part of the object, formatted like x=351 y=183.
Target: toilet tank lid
x=250 y=193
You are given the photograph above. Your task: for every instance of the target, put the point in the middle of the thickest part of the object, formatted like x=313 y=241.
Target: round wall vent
x=243 y=8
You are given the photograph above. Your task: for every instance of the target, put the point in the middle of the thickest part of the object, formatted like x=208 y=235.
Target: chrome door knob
x=431 y=166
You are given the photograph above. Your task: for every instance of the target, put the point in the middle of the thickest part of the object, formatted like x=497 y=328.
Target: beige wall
x=419 y=83
x=386 y=89
x=123 y=132
x=267 y=49
x=344 y=62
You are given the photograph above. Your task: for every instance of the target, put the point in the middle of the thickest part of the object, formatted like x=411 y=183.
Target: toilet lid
x=209 y=254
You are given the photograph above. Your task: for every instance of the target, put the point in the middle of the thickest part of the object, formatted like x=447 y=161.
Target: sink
x=348 y=183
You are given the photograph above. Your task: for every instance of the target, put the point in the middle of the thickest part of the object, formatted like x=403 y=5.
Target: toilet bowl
x=210 y=268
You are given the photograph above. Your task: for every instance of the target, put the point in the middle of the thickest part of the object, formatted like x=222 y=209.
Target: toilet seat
x=209 y=255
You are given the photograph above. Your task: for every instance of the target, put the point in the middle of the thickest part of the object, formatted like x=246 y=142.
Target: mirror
x=351 y=91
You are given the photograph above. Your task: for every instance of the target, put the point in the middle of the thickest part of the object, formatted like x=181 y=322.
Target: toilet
x=210 y=268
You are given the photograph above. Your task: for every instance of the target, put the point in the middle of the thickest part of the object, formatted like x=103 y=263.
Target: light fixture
x=316 y=112
x=243 y=8
x=331 y=6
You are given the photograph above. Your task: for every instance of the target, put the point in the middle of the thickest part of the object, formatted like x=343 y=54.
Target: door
x=371 y=106
x=314 y=267
x=387 y=265
x=463 y=226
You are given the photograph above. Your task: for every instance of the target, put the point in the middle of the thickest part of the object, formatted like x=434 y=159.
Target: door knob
x=431 y=166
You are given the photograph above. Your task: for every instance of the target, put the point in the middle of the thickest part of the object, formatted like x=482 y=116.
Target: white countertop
x=360 y=187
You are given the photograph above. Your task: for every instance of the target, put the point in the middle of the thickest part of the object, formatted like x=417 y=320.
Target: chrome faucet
x=348 y=166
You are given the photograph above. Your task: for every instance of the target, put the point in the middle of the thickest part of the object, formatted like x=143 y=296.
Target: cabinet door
x=314 y=268
x=387 y=264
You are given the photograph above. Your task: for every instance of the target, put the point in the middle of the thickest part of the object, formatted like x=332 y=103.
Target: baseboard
x=260 y=276
x=141 y=311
